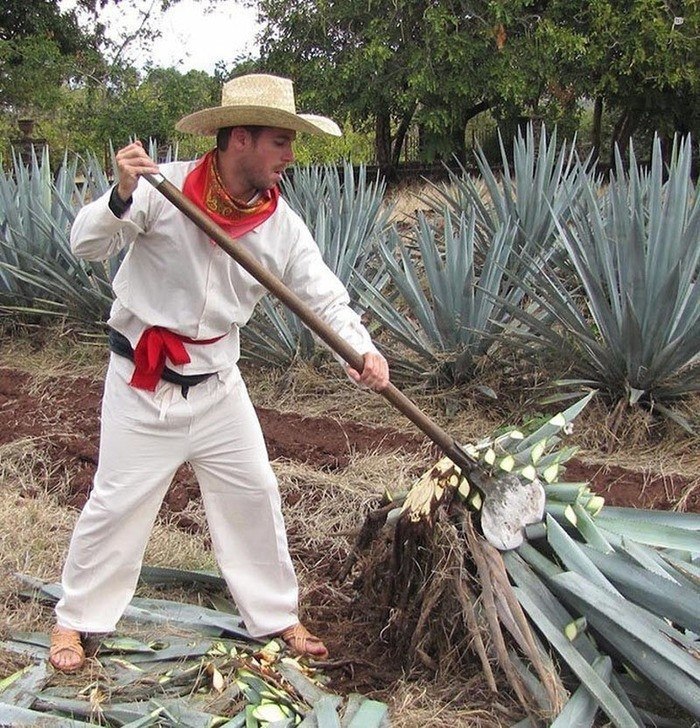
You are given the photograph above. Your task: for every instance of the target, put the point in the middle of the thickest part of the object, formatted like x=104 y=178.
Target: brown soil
x=63 y=414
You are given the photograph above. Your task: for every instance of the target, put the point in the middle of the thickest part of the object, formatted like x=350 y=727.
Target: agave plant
x=448 y=318
x=216 y=674
x=612 y=591
x=38 y=272
x=447 y=303
x=346 y=216
x=635 y=251
x=39 y=275
x=23 y=186
x=539 y=187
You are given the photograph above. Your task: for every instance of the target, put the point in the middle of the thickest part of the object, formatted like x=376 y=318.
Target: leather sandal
x=300 y=641
x=66 y=643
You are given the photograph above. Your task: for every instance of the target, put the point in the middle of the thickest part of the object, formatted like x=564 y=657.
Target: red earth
x=64 y=414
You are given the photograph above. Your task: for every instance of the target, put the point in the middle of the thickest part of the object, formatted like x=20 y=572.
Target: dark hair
x=224 y=134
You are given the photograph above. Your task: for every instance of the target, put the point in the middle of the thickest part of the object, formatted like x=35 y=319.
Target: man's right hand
x=132 y=161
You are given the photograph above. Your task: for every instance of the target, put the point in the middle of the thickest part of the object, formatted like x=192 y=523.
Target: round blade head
x=509 y=505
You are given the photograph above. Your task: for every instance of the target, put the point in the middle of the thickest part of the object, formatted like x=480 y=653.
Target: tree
x=435 y=63
x=439 y=63
x=70 y=72
x=652 y=77
x=639 y=60
x=22 y=19
x=349 y=60
x=149 y=109
x=39 y=47
x=388 y=64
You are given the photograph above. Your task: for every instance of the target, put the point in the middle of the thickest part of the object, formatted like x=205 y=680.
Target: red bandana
x=204 y=187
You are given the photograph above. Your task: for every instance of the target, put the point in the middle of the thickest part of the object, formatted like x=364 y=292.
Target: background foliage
x=406 y=70
x=592 y=283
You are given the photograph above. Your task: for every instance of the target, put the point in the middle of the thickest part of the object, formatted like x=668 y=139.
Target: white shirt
x=175 y=277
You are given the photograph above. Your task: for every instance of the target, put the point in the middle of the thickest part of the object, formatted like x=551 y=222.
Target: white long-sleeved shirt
x=175 y=277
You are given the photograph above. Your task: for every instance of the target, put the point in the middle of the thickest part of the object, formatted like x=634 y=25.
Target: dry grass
x=406 y=202
x=327 y=392
x=324 y=511
x=446 y=703
x=35 y=531
x=54 y=351
x=26 y=477
x=642 y=443
x=320 y=392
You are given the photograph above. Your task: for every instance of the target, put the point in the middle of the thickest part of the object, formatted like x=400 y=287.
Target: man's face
x=265 y=157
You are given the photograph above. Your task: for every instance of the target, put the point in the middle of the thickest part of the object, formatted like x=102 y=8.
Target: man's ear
x=239 y=137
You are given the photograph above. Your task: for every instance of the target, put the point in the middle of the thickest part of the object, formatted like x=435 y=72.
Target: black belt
x=119 y=344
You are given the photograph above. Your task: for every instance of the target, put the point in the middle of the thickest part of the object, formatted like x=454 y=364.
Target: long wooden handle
x=275 y=286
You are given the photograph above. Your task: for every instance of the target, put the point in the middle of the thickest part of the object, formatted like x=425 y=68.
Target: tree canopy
x=643 y=62
x=40 y=45
x=63 y=69
x=384 y=67
x=439 y=63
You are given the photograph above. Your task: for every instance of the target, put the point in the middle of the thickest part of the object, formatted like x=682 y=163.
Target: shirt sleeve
x=98 y=234
x=314 y=282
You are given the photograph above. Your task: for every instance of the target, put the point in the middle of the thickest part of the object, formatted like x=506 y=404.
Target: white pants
x=145 y=437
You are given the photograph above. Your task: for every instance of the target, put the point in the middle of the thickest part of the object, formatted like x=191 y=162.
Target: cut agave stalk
x=575 y=628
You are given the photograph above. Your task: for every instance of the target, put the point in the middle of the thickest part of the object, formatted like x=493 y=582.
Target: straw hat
x=257 y=99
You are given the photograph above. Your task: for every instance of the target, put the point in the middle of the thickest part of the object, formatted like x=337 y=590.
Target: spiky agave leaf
x=38 y=272
x=640 y=608
x=536 y=455
x=649 y=645
x=184 y=681
x=39 y=275
x=540 y=183
x=19 y=688
x=24 y=716
x=446 y=309
x=471 y=271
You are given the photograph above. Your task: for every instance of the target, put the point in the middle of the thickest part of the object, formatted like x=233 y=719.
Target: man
x=173 y=391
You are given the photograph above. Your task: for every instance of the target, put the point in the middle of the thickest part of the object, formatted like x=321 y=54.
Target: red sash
x=154 y=346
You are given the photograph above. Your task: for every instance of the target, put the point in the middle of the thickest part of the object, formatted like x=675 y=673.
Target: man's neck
x=238 y=189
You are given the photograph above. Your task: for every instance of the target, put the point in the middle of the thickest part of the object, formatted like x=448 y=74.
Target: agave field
x=528 y=310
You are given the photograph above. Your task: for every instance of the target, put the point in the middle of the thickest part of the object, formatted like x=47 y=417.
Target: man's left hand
x=375 y=372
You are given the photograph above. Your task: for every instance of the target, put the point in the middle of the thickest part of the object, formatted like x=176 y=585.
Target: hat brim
x=208 y=121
